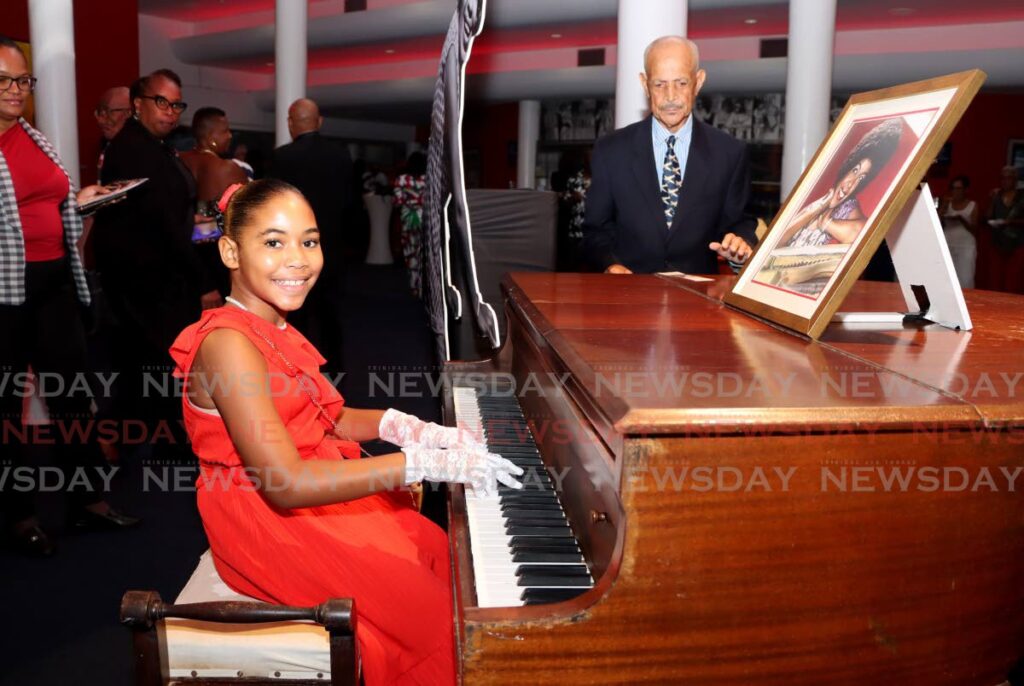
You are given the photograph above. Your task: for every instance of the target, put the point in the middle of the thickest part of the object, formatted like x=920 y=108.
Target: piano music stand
x=924 y=270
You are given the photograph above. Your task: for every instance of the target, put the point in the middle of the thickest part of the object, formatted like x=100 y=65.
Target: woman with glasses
x=42 y=286
x=154 y=280
x=959 y=216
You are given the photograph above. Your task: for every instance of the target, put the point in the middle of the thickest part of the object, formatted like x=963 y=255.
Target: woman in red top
x=292 y=514
x=40 y=325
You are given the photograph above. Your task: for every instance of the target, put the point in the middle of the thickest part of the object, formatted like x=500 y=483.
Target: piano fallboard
x=757 y=507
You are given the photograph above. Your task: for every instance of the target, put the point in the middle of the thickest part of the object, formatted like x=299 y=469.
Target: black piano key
x=553 y=570
x=537 y=557
x=574 y=555
x=510 y=451
x=517 y=542
x=537 y=596
x=551 y=580
x=543 y=542
x=511 y=442
x=536 y=523
x=507 y=430
x=527 y=495
x=548 y=504
x=567 y=547
x=538 y=502
x=551 y=532
x=543 y=511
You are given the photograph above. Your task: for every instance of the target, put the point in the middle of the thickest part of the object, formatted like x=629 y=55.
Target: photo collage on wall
x=577 y=120
x=750 y=118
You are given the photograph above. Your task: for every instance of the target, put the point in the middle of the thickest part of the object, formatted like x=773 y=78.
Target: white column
x=52 y=33
x=529 y=133
x=640 y=22
x=808 y=84
x=289 y=62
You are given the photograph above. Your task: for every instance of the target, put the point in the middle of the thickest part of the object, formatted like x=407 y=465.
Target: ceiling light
x=902 y=11
x=556 y=35
x=750 y=21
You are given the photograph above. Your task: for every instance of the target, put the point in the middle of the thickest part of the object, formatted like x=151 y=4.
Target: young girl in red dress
x=293 y=515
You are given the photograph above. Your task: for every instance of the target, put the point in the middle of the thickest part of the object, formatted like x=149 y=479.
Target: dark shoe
x=86 y=520
x=32 y=540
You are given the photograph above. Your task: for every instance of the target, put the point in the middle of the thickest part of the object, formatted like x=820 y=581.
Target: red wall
x=492 y=130
x=979 y=143
x=106 y=54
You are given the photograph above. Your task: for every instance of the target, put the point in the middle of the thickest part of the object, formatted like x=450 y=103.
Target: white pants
x=964 y=251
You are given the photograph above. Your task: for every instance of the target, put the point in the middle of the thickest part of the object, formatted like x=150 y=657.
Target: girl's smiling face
x=275 y=258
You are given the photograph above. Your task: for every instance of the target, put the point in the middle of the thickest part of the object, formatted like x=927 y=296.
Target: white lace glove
x=474 y=466
x=403 y=429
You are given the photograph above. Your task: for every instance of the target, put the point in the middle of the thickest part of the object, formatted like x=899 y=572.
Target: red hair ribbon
x=222 y=204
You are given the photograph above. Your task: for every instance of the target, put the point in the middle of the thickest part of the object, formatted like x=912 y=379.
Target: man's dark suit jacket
x=624 y=222
x=322 y=170
x=143 y=245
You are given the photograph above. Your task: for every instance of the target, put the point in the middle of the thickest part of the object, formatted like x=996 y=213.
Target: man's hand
x=210 y=300
x=732 y=248
x=618 y=269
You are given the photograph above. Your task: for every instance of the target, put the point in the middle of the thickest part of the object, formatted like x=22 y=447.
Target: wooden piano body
x=674 y=421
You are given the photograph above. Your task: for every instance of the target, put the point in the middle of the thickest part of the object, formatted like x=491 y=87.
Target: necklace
x=229 y=299
x=207 y=151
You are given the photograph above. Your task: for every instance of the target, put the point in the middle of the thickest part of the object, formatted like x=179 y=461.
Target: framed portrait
x=840 y=209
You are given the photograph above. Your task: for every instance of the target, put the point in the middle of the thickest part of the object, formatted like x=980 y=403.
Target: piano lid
x=656 y=356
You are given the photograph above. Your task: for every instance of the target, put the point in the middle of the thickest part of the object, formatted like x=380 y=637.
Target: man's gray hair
x=673 y=40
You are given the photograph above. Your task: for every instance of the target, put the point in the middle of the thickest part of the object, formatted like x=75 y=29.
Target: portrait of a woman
x=837 y=216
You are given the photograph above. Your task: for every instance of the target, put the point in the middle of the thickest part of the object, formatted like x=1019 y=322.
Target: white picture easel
x=924 y=270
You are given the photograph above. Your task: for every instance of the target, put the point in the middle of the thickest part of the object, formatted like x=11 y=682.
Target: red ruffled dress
x=378 y=550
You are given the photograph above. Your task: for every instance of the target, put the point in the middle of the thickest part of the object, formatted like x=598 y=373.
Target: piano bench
x=213 y=635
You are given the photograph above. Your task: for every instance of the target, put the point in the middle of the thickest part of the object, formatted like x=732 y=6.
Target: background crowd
x=142 y=269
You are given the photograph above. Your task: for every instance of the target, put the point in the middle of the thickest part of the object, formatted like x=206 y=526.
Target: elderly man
x=667 y=193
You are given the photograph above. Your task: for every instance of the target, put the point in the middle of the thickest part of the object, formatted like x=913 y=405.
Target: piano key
x=519 y=539
x=553 y=581
x=556 y=570
x=537 y=596
x=525 y=557
x=541 y=511
x=535 y=523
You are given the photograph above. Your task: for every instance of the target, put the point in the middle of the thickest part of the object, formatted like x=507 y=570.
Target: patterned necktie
x=671 y=180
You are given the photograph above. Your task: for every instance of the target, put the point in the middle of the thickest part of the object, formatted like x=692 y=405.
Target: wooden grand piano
x=753 y=507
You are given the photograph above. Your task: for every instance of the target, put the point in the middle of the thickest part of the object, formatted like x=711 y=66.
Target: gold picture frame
x=838 y=213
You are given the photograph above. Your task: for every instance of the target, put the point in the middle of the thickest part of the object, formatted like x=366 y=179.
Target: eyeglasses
x=164 y=104
x=25 y=83
x=111 y=111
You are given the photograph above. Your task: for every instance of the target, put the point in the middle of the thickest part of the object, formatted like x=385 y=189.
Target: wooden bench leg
x=150 y=657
